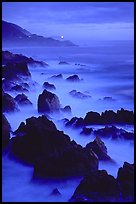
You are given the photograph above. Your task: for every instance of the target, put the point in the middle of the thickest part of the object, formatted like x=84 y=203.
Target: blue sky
x=76 y=21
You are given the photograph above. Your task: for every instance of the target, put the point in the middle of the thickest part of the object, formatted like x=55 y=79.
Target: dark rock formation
x=5 y=131
x=97 y=187
x=63 y=63
x=99 y=149
x=49 y=86
x=114 y=133
x=19 y=88
x=8 y=57
x=107 y=98
x=8 y=103
x=48 y=102
x=110 y=117
x=66 y=109
x=12 y=70
x=50 y=150
x=126 y=179
x=22 y=99
x=78 y=94
x=75 y=122
x=92 y=118
x=86 y=131
x=55 y=192
x=59 y=76
x=73 y=78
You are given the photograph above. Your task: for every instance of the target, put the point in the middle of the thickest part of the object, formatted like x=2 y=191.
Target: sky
x=80 y=22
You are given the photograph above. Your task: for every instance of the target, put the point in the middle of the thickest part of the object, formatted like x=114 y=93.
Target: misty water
x=106 y=70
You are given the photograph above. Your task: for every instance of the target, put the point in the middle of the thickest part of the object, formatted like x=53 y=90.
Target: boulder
x=63 y=63
x=79 y=95
x=86 y=131
x=126 y=179
x=59 y=76
x=49 y=86
x=5 y=131
x=39 y=143
x=8 y=103
x=73 y=78
x=11 y=70
x=92 y=118
x=48 y=102
x=99 y=149
x=66 y=109
x=22 y=99
x=98 y=186
x=19 y=88
x=75 y=122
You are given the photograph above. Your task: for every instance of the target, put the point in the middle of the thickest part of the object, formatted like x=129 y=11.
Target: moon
x=62 y=36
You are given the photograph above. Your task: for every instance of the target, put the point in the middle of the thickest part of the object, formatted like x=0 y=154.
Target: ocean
x=106 y=69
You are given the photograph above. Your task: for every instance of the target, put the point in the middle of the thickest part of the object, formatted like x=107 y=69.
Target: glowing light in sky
x=62 y=36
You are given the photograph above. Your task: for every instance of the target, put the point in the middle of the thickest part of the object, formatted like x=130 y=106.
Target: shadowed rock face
x=48 y=102
x=100 y=149
x=97 y=187
x=5 y=131
x=8 y=103
x=22 y=99
x=126 y=179
x=73 y=78
x=38 y=142
x=49 y=86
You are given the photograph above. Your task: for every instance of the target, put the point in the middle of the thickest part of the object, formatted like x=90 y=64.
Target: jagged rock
x=49 y=86
x=114 y=133
x=11 y=70
x=97 y=187
x=5 y=131
x=63 y=63
x=66 y=109
x=22 y=99
x=18 y=88
x=55 y=192
x=86 y=131
x=73 y=78
x=50 y=150
x=59 y=76
x=8 y=103
x=48 y=102
x=78 y=94
x=75 y=122
x=92 y=118
x=126 y=179
x=99 y=149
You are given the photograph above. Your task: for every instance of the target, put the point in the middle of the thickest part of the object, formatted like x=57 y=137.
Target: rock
x=126 y=179
x=25 y=85
x=18 y=88
x=73 y=78
x=5 y=131
x=59 y=76
x=8 y=103
x=8 y=84
x=99 y=149
x=55 y=192
x=11 y=70
x=86 y=131
x=78 y=94
x=92 y=118
x=108 y=98
x=110 y=117
x=22 y=99
x=8 y=57
x=66 y=109
x=39 y=143
x=49 y=86
x=48 y=102
x=98 y=186
x=63 y=63
x=75 y=122
x=114 y=133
